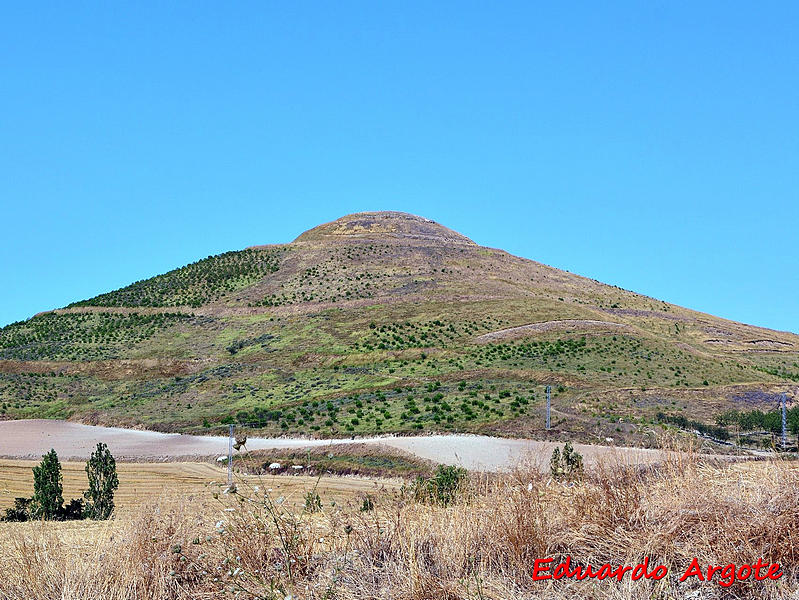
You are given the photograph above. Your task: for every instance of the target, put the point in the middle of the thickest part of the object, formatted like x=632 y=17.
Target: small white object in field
x=274 y=466
x=296 y=467
x=530 y=487
x=609 y=440
x=222 y=459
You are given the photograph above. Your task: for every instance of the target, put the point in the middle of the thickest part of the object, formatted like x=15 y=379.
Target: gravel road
x=32 y=438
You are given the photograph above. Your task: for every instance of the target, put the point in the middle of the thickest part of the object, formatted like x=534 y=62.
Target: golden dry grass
x=138 y=481
x=145 y=483
x=261 y=544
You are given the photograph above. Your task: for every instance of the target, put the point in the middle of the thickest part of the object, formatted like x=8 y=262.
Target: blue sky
x=650 y=145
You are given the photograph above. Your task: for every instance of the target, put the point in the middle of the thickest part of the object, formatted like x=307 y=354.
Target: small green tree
x=101 y=470
x=48 y=493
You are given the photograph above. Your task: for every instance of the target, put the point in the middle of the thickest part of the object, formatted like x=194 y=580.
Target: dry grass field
x=139 y=482
x=147 y=483
x=261 y=543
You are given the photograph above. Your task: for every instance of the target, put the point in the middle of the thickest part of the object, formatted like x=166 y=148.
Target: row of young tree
x=757 y=420
x=47 y=502
x=715 y=431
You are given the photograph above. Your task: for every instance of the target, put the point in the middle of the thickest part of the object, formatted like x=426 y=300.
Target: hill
x=387 y=322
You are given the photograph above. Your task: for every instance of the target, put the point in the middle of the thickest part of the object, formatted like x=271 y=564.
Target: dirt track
x=32 y=438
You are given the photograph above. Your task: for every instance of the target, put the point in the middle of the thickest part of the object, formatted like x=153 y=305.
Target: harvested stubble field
x=146 y=483
x=482 y=547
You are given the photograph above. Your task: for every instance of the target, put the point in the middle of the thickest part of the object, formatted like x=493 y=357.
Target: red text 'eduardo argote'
x=726 y=574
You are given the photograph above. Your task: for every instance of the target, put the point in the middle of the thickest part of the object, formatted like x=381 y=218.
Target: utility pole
x=549 y=389
x=230 y=455
x=784 y=422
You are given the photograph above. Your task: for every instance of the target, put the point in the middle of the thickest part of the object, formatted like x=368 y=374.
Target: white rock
x=274 y=466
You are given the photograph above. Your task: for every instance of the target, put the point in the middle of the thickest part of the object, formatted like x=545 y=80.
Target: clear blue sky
x=651 y=145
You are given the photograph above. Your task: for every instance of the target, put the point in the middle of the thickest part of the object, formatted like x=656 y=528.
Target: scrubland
x=374 y=539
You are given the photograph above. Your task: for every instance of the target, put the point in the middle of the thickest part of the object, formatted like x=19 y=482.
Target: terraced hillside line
x=573 y=325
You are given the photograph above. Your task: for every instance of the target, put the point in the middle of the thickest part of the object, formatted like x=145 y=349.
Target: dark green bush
x=443 y=488
x=101 y=469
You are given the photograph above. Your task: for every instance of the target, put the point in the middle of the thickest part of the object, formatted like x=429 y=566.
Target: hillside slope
x=386 y=322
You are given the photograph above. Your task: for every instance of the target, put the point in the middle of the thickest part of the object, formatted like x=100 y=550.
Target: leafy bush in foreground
x=566 y=465
x=443 y=487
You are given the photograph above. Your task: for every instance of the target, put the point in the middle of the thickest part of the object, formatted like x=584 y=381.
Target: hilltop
x=387 y=322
